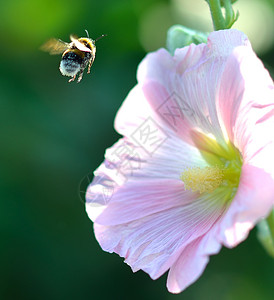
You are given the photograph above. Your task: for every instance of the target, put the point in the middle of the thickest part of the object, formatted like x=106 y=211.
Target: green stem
x=219 y=21
x=265 y=233
x=229 y=14
x=216 y=14
x=270 y=222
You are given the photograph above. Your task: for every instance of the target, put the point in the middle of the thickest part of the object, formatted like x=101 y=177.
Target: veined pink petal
x=153 y=243
x=242 y=108
x=188 y=267
x=191 y=263
x=173 y=110
x=133 y=112
x=193 y=259
x=253 y=201
x=223 y=42
x=136 y=200
x=129 y=166
x=186 y=98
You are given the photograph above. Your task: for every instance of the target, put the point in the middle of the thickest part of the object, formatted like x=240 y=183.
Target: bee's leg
x=90 y=64
x=72 y=79
x=80 y=76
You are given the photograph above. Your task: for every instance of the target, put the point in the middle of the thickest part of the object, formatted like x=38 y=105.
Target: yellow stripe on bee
x=76 y=51
x=87 y=41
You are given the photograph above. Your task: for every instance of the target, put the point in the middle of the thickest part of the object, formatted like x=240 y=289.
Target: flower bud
x=179 y=36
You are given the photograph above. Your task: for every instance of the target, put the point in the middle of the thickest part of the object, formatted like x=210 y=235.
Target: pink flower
x=195 y=169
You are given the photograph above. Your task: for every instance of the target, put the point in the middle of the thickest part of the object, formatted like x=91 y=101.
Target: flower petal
x=153 y=243
x=133 y=112
x=191 y=263
x=246 y=101
x=128 y=167
x=253 y=201
x=137 y=200
x=183 y=91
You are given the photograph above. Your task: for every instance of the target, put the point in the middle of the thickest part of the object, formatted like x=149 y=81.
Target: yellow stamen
x=202 y=180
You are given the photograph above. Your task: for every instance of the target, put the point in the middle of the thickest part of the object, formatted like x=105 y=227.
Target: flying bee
x=76 y=56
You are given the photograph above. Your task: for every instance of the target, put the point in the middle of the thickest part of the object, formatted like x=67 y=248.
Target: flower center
x=223 y=168
x=202 y=180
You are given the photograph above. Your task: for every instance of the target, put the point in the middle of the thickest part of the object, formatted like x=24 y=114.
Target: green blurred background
x=54 y=133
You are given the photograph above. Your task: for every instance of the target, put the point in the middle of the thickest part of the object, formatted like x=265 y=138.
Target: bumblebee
x=76 y=56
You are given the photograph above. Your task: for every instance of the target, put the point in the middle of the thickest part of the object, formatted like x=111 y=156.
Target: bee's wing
x=78 y=44
x=54 y=46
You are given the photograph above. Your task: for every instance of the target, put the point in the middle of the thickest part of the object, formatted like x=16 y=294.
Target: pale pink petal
x=137 y=110
x=155 y=64
x=223 y=42
x=128 y=166
x=253 y=201
x=245 y=101
x=262 y=156
x=190 y=264
x=185 y=98
x=154 y=242
x=172 y=109
x=188 y=267
x=133 y=112
x=136 y=200
x=193 y=259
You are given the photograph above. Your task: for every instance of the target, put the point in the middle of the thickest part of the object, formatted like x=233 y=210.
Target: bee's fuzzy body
x=75 y=61
x=77 y=55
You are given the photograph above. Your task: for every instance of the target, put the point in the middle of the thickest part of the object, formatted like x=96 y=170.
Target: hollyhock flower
x=195 y=168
